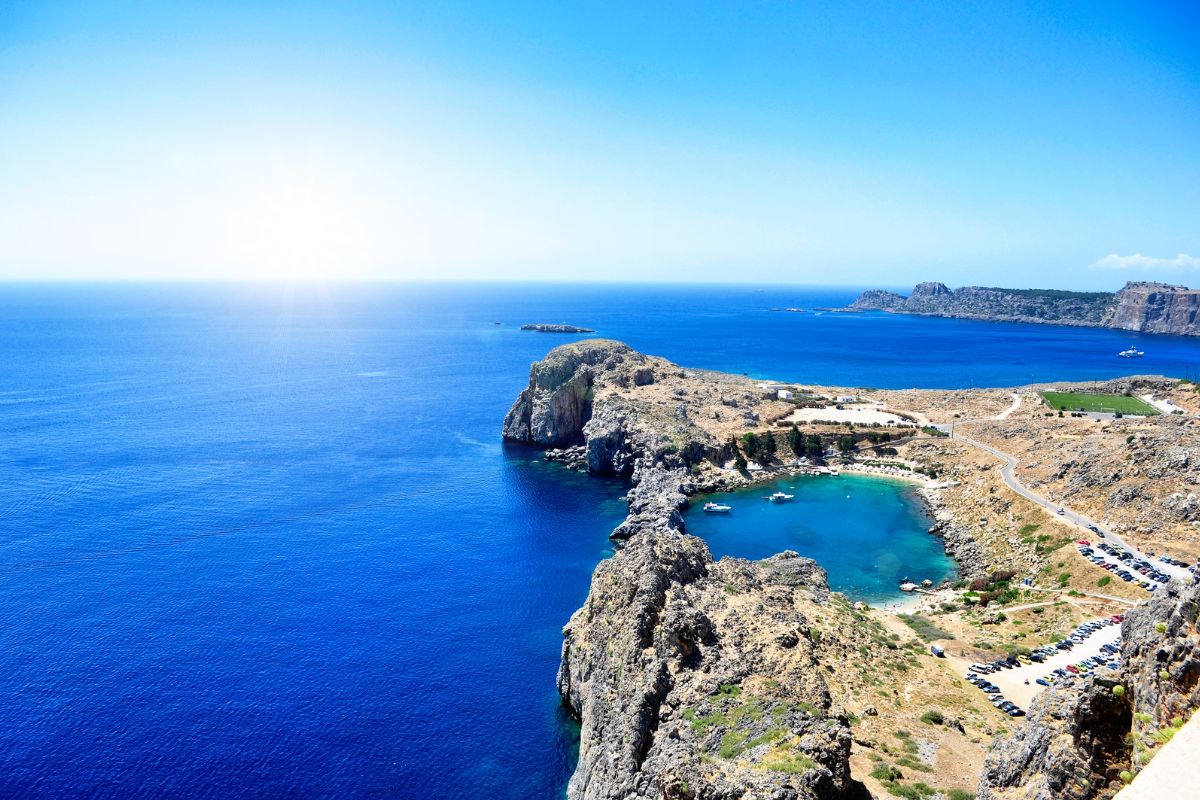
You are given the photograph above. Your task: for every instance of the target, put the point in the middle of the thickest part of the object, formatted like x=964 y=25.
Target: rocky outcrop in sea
x=543 y=327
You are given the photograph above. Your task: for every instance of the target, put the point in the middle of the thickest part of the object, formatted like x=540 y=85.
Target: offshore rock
x=542 y=327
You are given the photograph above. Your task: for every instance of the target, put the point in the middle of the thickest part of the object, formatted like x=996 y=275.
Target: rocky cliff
x=1156 y=308
x=1086 y=738
x=1144 y=307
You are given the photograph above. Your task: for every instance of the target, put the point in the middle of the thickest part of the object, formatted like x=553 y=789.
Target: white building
x=785 y=394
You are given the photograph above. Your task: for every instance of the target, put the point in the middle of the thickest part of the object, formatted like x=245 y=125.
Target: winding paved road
x=1007 y=472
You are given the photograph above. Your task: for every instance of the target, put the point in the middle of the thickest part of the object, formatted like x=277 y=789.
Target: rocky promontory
x=693 y=678
x=1139 y=306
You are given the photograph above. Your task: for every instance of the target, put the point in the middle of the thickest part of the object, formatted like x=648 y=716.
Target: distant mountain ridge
x=1139 y=306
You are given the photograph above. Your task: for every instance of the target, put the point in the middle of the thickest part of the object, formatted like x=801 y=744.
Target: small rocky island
x=696 y=679
x=1139 y=306
x=542 y=327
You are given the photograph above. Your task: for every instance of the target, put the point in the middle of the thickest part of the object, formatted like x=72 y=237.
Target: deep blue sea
x=260 y=541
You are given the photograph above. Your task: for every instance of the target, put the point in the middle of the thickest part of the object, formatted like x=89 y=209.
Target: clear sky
x=1021 y=144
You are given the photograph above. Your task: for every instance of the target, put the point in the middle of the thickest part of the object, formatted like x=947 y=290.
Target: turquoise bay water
x=266 y=542
x=868 y=533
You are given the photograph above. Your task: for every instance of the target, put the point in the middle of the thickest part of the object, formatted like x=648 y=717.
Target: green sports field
x=1078 y=401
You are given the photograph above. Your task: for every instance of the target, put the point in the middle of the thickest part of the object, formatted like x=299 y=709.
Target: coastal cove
x=867 y=532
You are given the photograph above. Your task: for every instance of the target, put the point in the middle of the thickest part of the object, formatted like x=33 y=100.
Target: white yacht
x=1132 y=352
x=717 y=508
x=780 y=497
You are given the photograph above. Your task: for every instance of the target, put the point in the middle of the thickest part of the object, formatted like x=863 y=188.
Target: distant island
x=547 y=328
x=1139 y=306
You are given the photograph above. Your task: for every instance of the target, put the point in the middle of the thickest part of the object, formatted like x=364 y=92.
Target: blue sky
x=1027 y=144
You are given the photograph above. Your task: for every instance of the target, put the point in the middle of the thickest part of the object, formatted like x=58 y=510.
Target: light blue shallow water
x=868 y=533
x=266 y=542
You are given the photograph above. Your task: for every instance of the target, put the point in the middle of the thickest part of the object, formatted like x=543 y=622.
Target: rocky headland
x=1139 y=306
x=694 y=678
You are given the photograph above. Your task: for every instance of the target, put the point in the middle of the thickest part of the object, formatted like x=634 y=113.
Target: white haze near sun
x=293 y=201
x=594 y=142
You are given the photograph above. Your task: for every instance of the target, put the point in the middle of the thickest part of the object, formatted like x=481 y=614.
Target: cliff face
x=1145 y=307
x=1156 y=308
x=1079 y=737
x=553 y=409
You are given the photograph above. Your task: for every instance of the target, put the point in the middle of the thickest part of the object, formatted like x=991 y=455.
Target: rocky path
x=1016 y=403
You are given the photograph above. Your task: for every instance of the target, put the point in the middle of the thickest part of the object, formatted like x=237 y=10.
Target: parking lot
x=1012 y=682
x=1148 y=573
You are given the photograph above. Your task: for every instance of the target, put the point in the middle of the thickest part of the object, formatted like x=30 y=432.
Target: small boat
x=780 y=497
x=1132 y=352
x=717 y=508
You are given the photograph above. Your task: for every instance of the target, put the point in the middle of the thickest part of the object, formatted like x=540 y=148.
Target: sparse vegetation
x=924 y=628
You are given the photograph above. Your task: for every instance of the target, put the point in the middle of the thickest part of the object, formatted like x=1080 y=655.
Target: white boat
x=717 y=508
x=1132 y=352
x=780 y=497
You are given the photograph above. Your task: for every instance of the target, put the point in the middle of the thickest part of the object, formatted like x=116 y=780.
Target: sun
x=301 y=230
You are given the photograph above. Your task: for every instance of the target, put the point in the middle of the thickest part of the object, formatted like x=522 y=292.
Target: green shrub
x=933 y=717
x=1118 y=690
x=884 y=774
x=1161 y=627
x=1105 y=581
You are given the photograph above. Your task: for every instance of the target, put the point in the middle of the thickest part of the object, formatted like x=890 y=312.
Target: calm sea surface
x=868 y=533
x=257 y=542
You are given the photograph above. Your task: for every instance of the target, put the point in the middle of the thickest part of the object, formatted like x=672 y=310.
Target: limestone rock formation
x=878 y=300
x=1156 y=308
x=553 y=409
x=1139 y=306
